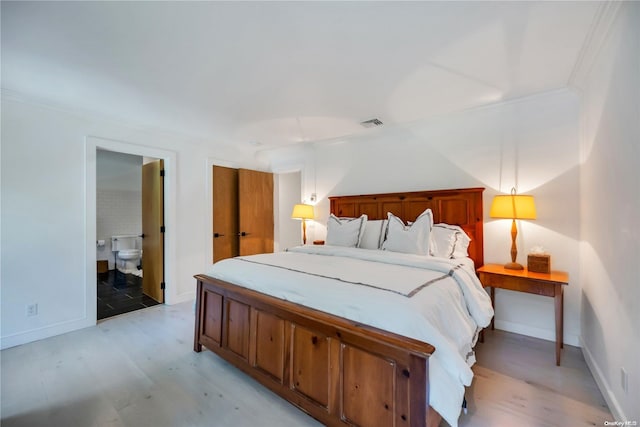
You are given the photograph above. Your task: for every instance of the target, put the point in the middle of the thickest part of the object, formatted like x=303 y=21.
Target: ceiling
x=269 y=74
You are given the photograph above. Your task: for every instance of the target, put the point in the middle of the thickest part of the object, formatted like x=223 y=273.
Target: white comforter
x=436 y=300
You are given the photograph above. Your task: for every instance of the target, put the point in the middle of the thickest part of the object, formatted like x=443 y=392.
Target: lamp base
x=513 y=266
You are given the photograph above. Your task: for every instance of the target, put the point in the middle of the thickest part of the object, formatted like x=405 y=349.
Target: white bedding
x=437 y=300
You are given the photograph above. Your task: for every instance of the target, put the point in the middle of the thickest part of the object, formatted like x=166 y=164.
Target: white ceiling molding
x=270 y=152
x=596 y=37
x=132 y=124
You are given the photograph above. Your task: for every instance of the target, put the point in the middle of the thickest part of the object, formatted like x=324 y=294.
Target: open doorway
x=129 y=232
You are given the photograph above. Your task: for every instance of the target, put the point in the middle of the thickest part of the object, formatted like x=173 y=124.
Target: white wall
x=118 y=199
x=531 y=142
x=46 y=247
x=119 y=171
x=610 y=212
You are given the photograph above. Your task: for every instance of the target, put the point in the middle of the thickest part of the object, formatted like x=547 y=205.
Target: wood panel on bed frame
x=338 y=371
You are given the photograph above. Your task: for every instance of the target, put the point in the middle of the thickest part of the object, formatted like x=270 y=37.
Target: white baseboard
x=184 y=297
x=603 y=385
x=68 y=326
x=44 y=332
x=531 y=331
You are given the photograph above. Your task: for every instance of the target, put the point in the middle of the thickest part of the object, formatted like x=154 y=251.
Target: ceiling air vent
x=372 y=123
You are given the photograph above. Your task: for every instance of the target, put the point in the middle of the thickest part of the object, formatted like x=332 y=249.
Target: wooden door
x=225 y=213
x=153 y=230
x=255 y=194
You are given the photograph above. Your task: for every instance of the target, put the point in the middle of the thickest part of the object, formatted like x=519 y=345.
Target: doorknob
x=217 y=235
x=242 y=234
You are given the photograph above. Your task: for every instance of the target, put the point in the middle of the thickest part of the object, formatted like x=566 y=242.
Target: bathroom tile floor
x=120 y=293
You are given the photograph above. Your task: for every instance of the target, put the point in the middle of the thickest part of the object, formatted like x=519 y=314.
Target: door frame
x=92 y=144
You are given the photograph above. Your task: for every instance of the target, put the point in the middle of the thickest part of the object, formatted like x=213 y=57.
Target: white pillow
x=345 y=232
x=449 y=241
x=373 y=234
x=413 y=239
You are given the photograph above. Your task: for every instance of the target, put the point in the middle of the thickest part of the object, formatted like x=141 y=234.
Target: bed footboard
x=339 y=372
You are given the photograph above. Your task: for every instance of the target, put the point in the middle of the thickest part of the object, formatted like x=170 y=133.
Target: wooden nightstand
x=550 y=285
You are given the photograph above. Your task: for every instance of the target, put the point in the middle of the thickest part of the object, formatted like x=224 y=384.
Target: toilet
x=126 y=253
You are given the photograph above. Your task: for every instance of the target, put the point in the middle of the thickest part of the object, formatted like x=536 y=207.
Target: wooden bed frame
x=338 y=371
x=461 y=207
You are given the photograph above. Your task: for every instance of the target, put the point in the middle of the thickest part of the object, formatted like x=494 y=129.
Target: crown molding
x=596 y=37
x=94 y=116
x=410 y=127
x=90 y=115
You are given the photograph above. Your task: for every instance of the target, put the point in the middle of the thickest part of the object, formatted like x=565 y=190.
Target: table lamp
x=513 y=206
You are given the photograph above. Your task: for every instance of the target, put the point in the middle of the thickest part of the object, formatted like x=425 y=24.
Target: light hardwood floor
x=139 y=370
x=517 y=383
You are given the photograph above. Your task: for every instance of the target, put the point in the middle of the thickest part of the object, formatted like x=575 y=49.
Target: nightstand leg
x=493 y=304
x=561 y=316
x=559 y=306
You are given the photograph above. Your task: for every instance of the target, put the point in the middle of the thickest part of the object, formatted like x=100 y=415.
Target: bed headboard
x=461 y=207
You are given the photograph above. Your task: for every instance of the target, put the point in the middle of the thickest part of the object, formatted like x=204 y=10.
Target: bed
x=320 y=355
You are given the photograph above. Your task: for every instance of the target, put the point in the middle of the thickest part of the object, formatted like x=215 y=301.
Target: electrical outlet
x=32 y=310
x=624 y=380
